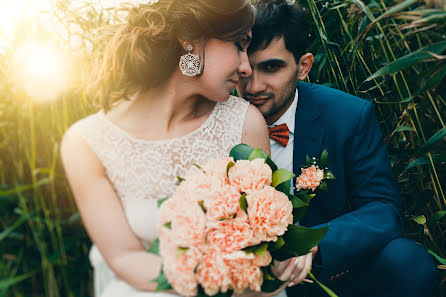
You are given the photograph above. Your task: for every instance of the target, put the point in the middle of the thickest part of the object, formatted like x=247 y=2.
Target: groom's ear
x=305 y=64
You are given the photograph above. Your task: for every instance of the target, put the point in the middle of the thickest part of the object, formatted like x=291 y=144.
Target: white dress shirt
x=283 y=156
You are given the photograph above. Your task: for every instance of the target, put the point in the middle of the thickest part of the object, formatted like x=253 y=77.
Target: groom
x=363 y=252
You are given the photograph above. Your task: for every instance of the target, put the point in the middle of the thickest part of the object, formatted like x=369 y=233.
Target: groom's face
x=272 y=84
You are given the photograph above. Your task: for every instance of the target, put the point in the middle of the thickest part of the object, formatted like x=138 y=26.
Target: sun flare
x=41 y=70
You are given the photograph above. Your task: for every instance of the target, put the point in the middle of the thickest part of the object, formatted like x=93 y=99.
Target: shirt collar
x=289 y=115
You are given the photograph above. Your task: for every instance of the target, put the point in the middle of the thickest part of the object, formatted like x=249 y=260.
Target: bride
x=163 y=78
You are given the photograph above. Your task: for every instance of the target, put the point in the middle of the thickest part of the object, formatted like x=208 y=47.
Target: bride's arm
x=103 y=215
x=255 y=132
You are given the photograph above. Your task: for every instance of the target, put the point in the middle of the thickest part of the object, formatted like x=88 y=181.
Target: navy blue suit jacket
x=362 y=205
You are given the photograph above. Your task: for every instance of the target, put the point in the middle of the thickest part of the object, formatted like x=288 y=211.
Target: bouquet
x=227 y=220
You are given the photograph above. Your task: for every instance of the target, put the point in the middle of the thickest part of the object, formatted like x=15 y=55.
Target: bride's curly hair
x=144 y=51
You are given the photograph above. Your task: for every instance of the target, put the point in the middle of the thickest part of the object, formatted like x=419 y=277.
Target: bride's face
x=225 y=63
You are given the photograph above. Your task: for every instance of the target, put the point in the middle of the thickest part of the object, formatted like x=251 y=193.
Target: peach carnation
x=181 y=273
x=250 y=176
x=217 y=167
x=270 y=213
x=310 y=178
x=213 y=274
x=188 y=225
x=231 y=235
x=224 y=204
x=244 y=272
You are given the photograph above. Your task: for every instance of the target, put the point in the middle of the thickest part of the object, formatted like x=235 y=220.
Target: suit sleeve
x=375 y=219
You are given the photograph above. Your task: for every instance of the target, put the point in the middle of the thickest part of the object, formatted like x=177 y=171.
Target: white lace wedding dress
x=143 y=171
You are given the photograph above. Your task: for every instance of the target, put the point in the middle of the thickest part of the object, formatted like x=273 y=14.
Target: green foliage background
x=390 y=52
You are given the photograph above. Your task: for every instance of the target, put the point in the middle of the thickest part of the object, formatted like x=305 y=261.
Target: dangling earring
x=190 y=64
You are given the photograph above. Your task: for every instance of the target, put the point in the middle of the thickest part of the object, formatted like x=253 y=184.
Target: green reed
x=388 y=52
x=393 y=53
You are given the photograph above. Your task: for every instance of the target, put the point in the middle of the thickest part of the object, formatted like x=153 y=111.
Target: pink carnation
x=231 y=235
x=310 y=178
x=270 y=213
x=250 y=176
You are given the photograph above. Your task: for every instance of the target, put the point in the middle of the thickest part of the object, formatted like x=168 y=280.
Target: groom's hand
x=293 y=271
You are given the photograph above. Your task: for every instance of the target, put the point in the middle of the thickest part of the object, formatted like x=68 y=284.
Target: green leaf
x=270 y=282
x=431 y=142
x=271 y=164
x=404 y=128
x=419 y=219
x=179 y=180
x=425 y=160
x=243 y=203
x=181 y=250
x=6 y=283
x=329 y=175
x=324 y=287
x=155 y=247
x=241 y=152
x=299 y=241
x=168 y=225
x=229 y=166
x=161 y=201
x=432 y=80
x=410 y=59
x=392 y=10
x=435 y=218
x=261 y=249
x=324 y=159
x=14 y=226
x=308 y=161
x=257 y=154
x=297 y=203
x=304 y=196
x=280 y=176
x=324 y=186
x=439 y=259
x=162 y=282
x=201 y=203
x=276 y=245
x=284 y=187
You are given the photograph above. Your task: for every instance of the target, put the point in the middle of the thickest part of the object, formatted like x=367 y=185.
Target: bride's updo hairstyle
x=143 y=52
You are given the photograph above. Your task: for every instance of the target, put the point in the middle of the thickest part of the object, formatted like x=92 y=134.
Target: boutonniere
x=314 y=174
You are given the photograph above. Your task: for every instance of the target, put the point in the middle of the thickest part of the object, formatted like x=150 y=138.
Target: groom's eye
x=271 y=66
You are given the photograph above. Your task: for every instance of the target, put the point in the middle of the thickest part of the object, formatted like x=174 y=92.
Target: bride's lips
x=235 y=82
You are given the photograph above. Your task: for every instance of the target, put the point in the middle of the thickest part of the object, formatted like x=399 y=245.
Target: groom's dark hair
x=276 y=19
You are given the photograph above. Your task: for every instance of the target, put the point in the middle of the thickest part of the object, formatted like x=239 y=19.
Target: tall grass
x=394 y=54
x=388 y=52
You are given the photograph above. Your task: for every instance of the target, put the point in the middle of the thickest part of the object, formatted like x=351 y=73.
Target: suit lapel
x=308 y=130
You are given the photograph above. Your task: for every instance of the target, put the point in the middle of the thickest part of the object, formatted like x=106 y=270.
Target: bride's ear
x=185 y=43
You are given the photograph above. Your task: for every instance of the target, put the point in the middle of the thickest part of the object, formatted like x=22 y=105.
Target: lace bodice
x=143 y=171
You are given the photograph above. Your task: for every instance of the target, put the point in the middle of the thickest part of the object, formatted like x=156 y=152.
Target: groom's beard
x=272 y=109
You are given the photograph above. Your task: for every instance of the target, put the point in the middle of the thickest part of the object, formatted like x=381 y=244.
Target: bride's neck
x=170 y=104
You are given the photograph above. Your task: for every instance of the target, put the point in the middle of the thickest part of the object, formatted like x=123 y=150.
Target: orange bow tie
x=280 y=134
